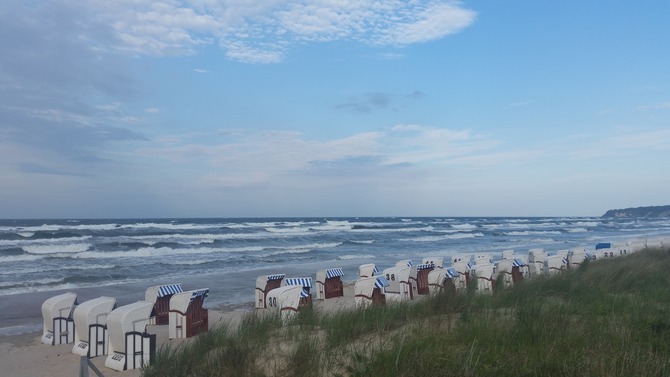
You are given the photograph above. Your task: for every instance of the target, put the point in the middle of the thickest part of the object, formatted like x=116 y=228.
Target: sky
x=325 y=108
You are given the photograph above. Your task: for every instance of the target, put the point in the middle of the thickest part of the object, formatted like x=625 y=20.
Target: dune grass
x=608 y=318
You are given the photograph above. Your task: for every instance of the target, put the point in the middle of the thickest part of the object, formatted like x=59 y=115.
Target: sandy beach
x=24 y=355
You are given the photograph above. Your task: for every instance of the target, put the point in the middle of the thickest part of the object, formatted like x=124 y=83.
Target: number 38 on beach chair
x=285 y=301
x=329 y=283
x=58 y=326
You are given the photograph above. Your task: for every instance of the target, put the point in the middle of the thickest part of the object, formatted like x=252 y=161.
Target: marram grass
x=608 y=318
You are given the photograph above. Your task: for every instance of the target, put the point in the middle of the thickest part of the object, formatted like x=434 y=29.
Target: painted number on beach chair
x=272 y=302
x=391 y=277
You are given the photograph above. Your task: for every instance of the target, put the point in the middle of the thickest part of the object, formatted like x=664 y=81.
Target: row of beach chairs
x=406 y=281
x=98 y=327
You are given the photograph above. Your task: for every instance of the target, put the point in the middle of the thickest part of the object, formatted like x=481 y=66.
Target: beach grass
x=609 y=317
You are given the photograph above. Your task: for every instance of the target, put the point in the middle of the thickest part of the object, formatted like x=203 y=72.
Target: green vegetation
x=608 y=318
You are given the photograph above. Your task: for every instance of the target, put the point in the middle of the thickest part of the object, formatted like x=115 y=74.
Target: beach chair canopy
x=275 y=277
x=127 y=318
x=169 y=289
x=518 y=263
x=92 y=312
x=303 y=282
x=334 y=272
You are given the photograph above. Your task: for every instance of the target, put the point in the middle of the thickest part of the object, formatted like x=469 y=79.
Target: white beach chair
x=160 y=295
x=58 y=326
x=90 y=332
x=284 y=301
x=483 y=258
x=264 y=284
x=367 y=270
x=463 y=267
x=536 y=261
x=576 y=257
x=484 y=276
x=404 y=263
x=329 y=283
x=370 y=291
x=402 y=283
x=187 y=315
x=130 y=346
x=554 y=264
x=511 y=271
x=508 y=254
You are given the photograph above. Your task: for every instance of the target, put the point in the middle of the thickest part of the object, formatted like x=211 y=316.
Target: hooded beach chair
x=554 y=264
x=370 y=291
x=422 y=272
x=187 y=316
x=160 y=295
x=442 y=280
x=402 y=283
x=483 y=258
x=130 y=346
x=510 y=269
x=463 y=267
x=306 y=284
x=90 y=334
x=285 y=301
x=58 y=326
x=265 y=284
x=536 y=261
x=484 y=275
x=367 y=270
x=329 y=283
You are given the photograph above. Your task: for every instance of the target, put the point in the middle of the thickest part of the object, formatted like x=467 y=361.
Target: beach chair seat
x=329 y=283
x=57 y=322
x=422 y=271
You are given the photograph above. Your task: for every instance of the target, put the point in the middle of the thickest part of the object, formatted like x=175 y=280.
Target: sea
x=121 y=257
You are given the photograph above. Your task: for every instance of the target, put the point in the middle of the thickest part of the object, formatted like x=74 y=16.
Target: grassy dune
x=608 y=318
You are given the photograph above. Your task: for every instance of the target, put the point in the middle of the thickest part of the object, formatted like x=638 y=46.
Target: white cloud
x=262 y=31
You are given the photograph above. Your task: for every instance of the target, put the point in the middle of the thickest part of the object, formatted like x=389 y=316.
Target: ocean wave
x=19 y=258
x=43 y=241
x=153 y=252
x=444 y=237
x=532 y=232
x=32 y=270
x=56 y=249
x=348 y=257
x=577 y=230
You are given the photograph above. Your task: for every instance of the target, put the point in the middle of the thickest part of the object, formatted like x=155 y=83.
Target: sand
x=24 y=355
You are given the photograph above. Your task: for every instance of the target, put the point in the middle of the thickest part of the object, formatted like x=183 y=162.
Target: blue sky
x=325 y=108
